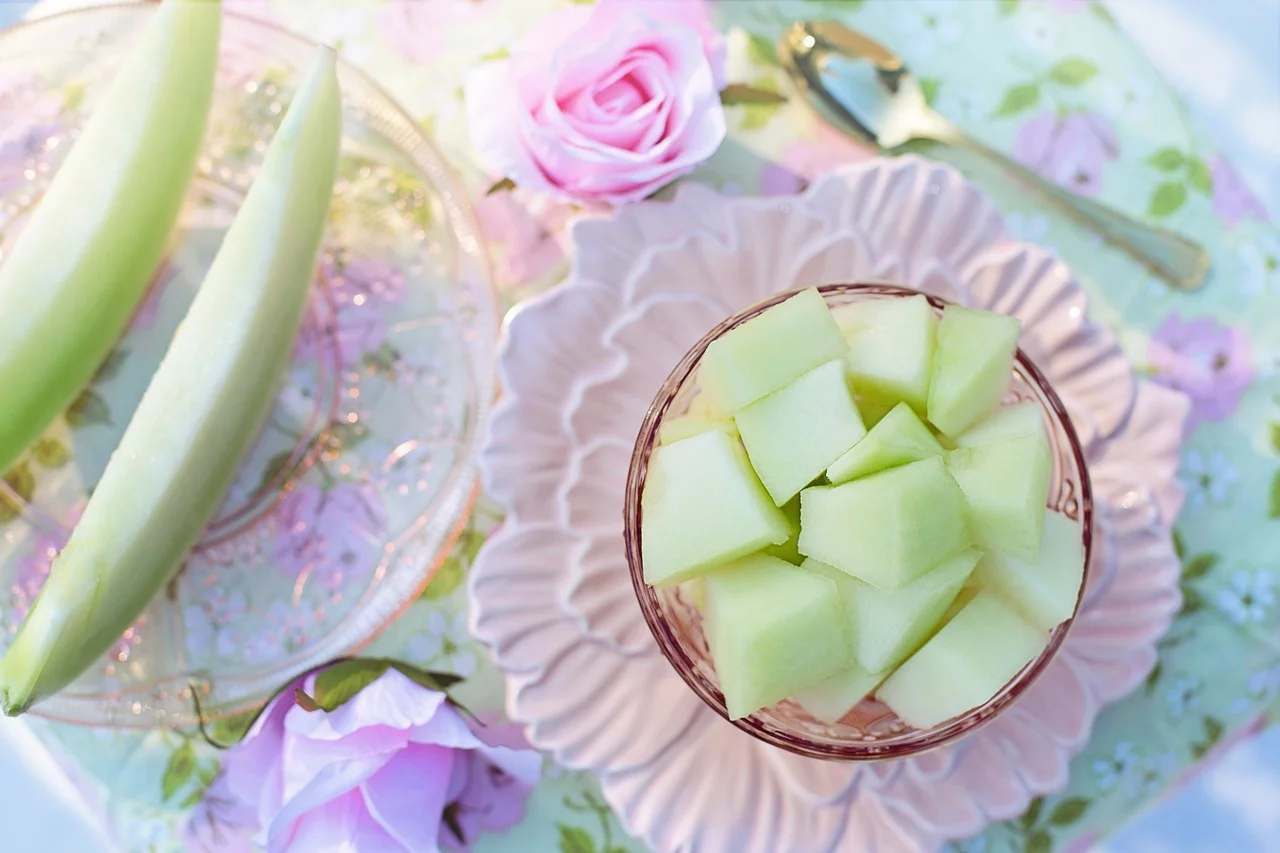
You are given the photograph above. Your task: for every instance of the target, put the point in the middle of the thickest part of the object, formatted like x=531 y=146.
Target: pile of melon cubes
x=855 y=513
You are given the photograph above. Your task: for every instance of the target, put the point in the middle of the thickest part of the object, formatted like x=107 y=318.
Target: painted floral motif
x=1249 y=597
x=1208 y=478
x=1072 y=150
x=1112 y=770
x=1233 y=201
x=445 y=644
x=1261 y=262
x=1181 y=697
x=358 y=287
x=1210 y=362
x=329 y=534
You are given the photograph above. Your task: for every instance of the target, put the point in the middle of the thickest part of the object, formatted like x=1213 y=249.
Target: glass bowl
x=871 y=731
x=361 y=479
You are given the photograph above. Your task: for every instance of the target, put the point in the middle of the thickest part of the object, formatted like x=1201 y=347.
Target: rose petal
x=342 y=826
x=392 y=700
x=328 y=785
x=407 y=796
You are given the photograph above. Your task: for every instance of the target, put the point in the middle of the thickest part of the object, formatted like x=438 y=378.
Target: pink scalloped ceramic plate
x=551 y=592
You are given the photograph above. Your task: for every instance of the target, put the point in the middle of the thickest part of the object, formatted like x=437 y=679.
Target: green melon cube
x=829 y=701
x=1006 y=422
x=891 y=343
x=793 y=434
x=708 y=399
x=898 y=438
x=702 y=506
x=789 y=550
x=687 y=426
x=1006 y=484
x=773 y=630
x=889 y=528
x=770 y=350
x=1043 y=591
x=694 y=591
x=971 y=367
x=964 y=664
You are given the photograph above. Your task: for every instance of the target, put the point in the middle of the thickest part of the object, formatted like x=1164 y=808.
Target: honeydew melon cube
x=1043 y=591
x=707 y=400
x=702 y=507
x=888 y=528
x=891 y=346
x=967 y=593
x=830 y=700
x=687 y=426
x=1006 y=422
x=1006 y=484
x=793 y=434
x=773 y=630
x=789 y=550
x=971 y=366
x=771 y=349
x=899 y=438
x=694 y=592
x=964 y=664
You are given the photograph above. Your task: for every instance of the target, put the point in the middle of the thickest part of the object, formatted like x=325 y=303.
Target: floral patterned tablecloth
x=1058 y=85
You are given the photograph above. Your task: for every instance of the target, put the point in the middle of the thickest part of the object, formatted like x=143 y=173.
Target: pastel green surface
x=74 y=274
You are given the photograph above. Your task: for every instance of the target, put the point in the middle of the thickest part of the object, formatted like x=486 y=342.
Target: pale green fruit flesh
x=687 y=426
x=789 y=550
x=829 y=701
x=891 y=346
x=888 y=528
x=695 y=592
x=964 y=664
x=706 y=402
x=770 y=350
x=898 y=438
x=702 y=507
x=199 y=415
x=793 y=434
x=75 y=273
x=773 y=630
x=972 y=366
x=1006 y=484
x=1013 y=421
x=1044 y=591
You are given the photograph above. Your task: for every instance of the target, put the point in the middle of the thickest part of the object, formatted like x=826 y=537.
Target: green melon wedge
x=76 y=272
x=198 y=417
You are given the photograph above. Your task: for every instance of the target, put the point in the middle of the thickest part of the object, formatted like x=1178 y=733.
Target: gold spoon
x=881 y=102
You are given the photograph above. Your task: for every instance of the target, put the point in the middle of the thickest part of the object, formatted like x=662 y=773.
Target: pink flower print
x=1071 y=150
x=1232 y=200
x=33 y=569
x=19 y=154
x=1210 y=362
x=421 y=31
x=356 y=322
x=331 y=535
x=529 y=242
x=803 y=161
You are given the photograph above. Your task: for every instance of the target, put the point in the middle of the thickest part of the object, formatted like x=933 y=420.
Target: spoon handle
x=1180 y=261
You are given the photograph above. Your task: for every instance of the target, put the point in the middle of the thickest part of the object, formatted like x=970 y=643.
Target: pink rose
x=378 y=773
x=1070 y=150
x=602 y=104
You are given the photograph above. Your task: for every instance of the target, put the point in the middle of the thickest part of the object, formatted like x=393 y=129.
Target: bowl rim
x=673 y=650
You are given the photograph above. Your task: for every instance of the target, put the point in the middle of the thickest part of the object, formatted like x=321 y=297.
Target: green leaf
x=1275 y=496
x=741 y=93
x=231 y=730
x=575 y=840
x=1167 y=159
x=762 y=51
x=1199 y=176
x=23 y=482
x=1191 y=600
x=1212 y=730
x=503 y=186
x=339 y=683
x=929 y=88
x=1019 y=98
x=1179 y=546
x=1275 y=437
x=181 y=766
x=205 y=776
x=446 y=580
x=1073 y=72
x=1008 y=7
x=1154 y=677
x=50 y=453
x=1032 y=815
x=1167 y=198
x=276 y=470
x=1039 y=842
x=87 y=410
x=440 y=681
x=111 y=366
x=1068 y=811
x=1198 y=566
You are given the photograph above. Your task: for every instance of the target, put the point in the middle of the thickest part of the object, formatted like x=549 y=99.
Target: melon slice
x=889 y=528
x=1006 y=484
x=703 y=506
x=695 y=592
x=793 y=434
x=687 y=426
x=72 y=277
x=971 y=367
x=1043 y=591
x=789 y=550
x=1006 y=422
x=899 y=438
x=201 y=412
x=770 y=350
x=963 y=665
x=831 y=700
x=891 y=345
x=773 y=630
x=707 y=402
